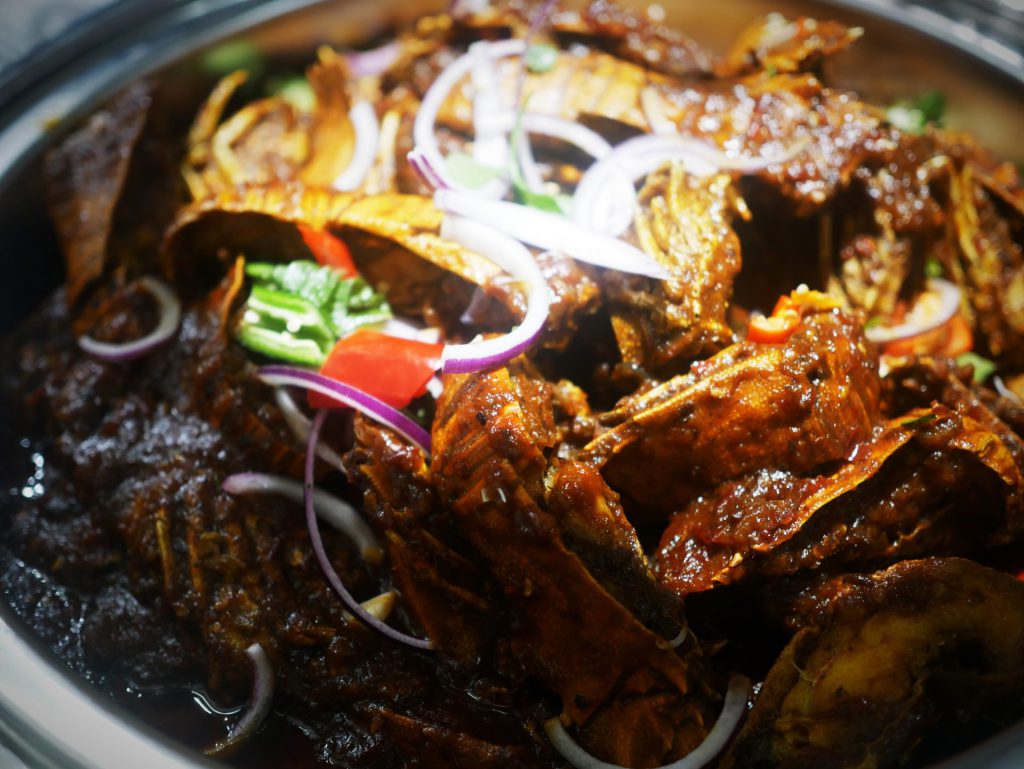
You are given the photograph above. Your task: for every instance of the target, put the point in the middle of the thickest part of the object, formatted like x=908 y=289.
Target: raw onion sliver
x=340 y=514
x=490 y=147
x=605 y=199
x=550 y=232
x=374 y=61
x=299 y=424
x=514 y=258
x=170 y=316
x=921 y=318
x=367 y=129
x=333 y=579
x=733 y=708
x=259 y=703
x=350 y=396
x=423 y=128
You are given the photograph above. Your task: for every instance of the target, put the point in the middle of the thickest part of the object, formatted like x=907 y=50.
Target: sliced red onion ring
x=374 y=61
x=170 y=316
x=490 y=147
x=354 y=607
x=733 y=708
x=515 y=259
x=934 y=307
x=350 y=396
x=259 y=703
x=550 y=232
x=537 y=123
x=299 y=424
x=1005 y=391
x=341 y=515
x=605 y=199
x=367 y=128
x=426 y=170
x=423 y=128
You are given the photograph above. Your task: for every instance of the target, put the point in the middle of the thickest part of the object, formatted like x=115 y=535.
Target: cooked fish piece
x=684 y=222
x=111 y=190
x=271 y=140
x=493 y=435
x=789 y=406
x=895 y=652
x=931 y=482
x=447 y=595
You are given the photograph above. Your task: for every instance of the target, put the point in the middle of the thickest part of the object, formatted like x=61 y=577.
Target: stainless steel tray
x=52 y=720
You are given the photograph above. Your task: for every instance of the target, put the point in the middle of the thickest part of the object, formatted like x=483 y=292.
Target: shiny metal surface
x=54 y=722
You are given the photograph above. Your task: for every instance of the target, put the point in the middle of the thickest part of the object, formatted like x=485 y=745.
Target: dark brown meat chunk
x=111 y=186
x=791 y=406
x=685 y=224
x=932 y=482
x=897 y=650
x=491 y=436
x=445 y=593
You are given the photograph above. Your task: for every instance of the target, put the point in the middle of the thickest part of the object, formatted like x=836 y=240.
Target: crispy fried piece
x=898 y=650
x=110 y=190
x=775 y=43
x=791 y=406
x=582 y=82
x=917 y=382
x=270 y=139
x=594 y=527
x=85 y=176
x=393 y=238
x=992 y=263
x=931 y=482
x=492 y=435
x=443 y=591
x=767 y=113
x=634 y=37
x=435 y=745
x=683 y=223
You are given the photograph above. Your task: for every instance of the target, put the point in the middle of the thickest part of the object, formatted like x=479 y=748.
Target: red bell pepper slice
x=392 y=369
x=329 y=250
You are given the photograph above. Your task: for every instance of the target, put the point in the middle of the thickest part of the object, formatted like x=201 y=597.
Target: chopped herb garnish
x=933 y=268
x=557 y=203
x=874 y=322
x=913 y=116
x=234 y=55
x=469 y=172
x=298 y=310
x=540 y=58
x=920 y=420
x=295 y=90
x=983 y=367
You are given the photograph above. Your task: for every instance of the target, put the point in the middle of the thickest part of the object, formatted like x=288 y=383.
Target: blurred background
x=993 y=26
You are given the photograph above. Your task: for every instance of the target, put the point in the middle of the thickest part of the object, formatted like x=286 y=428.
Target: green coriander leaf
x=933 y=268
x=874 y=322
x=983 y=367
x=468 y=172
x=295 y=90
x=920 y=420
x=234 y=55
x=540 y=58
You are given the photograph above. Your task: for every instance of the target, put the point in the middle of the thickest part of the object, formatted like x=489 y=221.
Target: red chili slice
x=329 y=250
x=391 y=369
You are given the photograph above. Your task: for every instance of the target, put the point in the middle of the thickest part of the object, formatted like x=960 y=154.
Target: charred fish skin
x=838 y=697
x=790 y=406
x=491 y=434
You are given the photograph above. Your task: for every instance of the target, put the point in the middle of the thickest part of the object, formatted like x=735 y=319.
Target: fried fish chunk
x=895 y=651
